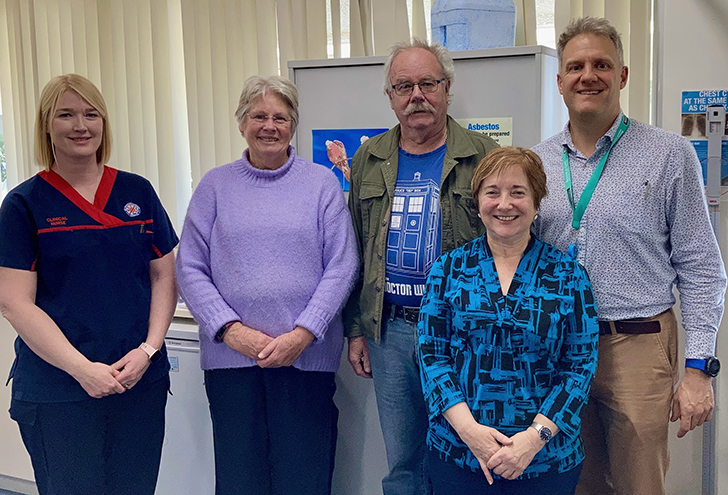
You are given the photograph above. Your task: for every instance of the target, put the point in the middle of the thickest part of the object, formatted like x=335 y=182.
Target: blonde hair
x=49 y=98
x=501 y=158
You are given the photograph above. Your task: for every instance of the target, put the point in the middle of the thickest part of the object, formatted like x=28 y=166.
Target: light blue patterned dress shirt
x=645 y=230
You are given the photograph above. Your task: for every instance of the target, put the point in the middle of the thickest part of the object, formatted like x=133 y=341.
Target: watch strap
x=710 y=366
x=544 y=432
x=219 y=336
x=698 y=364
x=152 y=353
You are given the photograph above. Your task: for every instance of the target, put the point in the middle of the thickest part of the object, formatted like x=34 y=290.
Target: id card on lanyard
x=578 y=209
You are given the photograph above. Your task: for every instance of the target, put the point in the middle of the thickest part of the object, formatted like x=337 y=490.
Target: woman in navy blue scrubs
x=87 y=281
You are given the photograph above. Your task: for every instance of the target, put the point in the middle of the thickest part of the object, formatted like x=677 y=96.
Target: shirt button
x=582 y=230
x=375 y=320
x=384 y=223
x=379 y=256
x=377 y=288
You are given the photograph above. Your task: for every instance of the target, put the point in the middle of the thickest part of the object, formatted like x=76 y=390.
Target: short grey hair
x=590 y=25
x=257 y=86
x=440 y=52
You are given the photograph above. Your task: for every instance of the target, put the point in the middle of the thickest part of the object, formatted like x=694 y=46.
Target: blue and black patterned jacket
x=509 y=357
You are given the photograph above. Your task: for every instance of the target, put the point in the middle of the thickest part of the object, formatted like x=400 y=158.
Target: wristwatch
x=710 y=366
x=154 y=354
x=544 y=432
x=220 y=335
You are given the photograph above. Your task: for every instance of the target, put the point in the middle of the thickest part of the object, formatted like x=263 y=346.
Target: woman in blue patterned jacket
x=508 y=341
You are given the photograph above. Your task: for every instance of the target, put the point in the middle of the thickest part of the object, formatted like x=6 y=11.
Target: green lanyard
x=579 y=208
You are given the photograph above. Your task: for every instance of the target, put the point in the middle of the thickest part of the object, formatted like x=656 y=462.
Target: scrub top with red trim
x=92 y=262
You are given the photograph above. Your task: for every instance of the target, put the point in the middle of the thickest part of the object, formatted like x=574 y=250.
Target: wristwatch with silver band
x=544 y=432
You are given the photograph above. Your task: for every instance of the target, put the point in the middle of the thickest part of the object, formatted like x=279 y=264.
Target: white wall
x=14 y=460
x=694 y=56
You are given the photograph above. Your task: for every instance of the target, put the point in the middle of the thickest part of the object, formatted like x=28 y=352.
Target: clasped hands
x=267 y=351
x=503 y=455
x=100 y=380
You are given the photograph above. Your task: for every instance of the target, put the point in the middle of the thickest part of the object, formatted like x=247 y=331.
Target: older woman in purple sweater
x=266 y=261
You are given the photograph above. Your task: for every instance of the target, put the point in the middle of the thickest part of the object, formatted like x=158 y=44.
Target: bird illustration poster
x=334 y=148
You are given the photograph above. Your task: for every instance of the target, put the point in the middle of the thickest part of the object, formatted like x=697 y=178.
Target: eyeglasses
x=261 y=118
x=426 y=86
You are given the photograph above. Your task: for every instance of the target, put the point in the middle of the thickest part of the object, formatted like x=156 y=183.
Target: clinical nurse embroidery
x=132 y=209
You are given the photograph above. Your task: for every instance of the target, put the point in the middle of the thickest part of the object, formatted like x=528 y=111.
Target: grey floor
x=3 y=492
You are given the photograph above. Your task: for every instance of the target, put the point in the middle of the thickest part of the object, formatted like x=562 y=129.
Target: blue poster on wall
x=333 y=148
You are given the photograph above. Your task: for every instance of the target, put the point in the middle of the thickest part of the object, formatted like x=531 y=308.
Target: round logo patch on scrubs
x=132 y=209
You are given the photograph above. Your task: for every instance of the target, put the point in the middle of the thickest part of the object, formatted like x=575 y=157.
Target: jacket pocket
x=371 y=197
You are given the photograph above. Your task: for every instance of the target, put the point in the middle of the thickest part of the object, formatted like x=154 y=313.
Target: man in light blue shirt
x=627 y=200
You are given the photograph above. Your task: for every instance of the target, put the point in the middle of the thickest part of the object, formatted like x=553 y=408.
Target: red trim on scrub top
x=106 y=184
x=55 y=180
x=95 y=227
x=159 y=253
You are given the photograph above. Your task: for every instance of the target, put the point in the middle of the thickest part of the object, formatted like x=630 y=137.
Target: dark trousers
x=449 y=479
x=107 y=446
x=274 y=430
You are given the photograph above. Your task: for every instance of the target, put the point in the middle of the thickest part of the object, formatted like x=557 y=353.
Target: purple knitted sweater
x=273 y=249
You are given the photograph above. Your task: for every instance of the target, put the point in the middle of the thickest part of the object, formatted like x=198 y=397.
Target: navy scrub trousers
x=107 y=446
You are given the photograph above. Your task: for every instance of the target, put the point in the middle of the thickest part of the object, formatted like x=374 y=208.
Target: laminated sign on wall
x=693 y=126
x=500 y=129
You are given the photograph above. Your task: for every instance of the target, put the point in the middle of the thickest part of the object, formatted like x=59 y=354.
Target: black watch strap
x=221 y=333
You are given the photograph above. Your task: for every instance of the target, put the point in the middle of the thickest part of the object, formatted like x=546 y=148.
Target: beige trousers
x=625 y=423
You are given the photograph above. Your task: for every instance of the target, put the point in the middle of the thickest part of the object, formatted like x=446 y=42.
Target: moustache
x=418 y=106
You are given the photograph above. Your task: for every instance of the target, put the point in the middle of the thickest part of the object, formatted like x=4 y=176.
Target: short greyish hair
x=590 y=25
x=440 y=52
x=256 y=86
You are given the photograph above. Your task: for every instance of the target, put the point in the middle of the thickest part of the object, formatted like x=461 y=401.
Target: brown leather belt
x=634 y=326
x=410 y=314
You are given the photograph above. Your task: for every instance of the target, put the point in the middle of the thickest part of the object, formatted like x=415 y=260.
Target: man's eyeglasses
x=426 y=86
x=261 y=118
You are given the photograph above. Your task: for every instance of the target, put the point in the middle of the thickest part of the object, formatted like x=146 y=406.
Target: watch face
x=712 y=366
x=545 y=433
x=156 y=355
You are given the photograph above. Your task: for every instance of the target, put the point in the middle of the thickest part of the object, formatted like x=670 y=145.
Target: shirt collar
x=605 y=140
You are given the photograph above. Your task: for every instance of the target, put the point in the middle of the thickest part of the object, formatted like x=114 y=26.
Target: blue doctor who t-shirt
x=413 y=241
